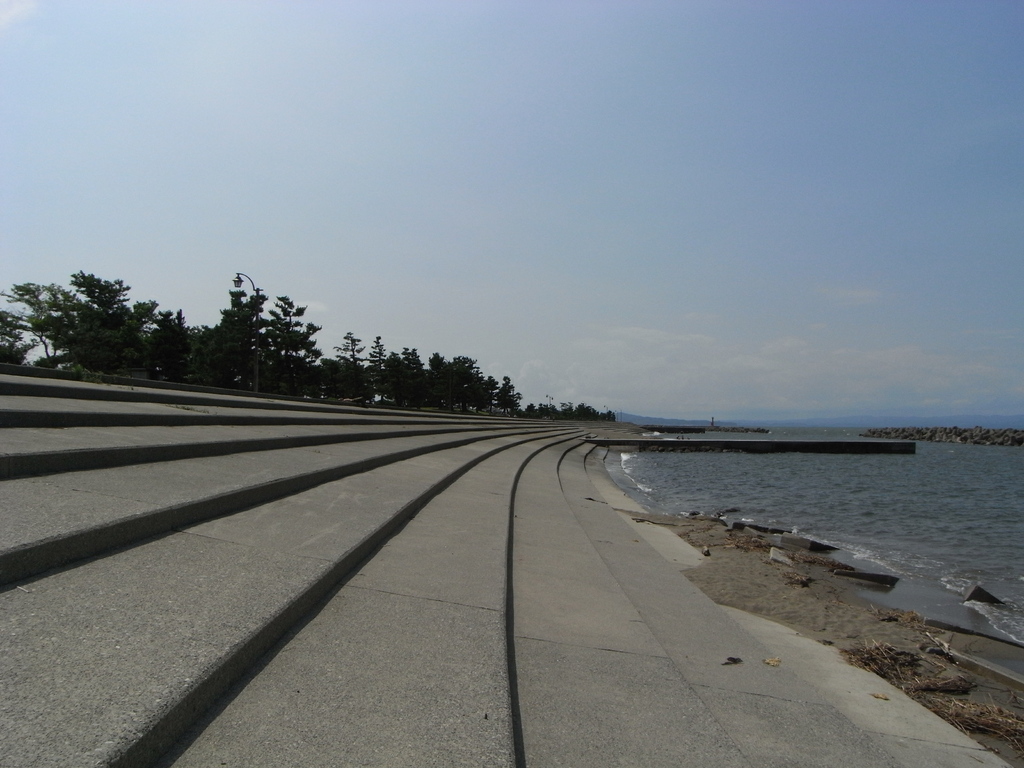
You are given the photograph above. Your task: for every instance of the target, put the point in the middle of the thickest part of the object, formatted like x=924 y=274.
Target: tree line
x=93 y=327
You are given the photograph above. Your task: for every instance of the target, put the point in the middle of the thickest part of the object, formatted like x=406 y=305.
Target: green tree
x=547 y=411
x=289 y=351
x=375 y=369
x=45 y=311
x=223 y=355
x=405 y=380
x=572 y=411
x=467 y=384
x=394 y=385
x=507 y=399
x=416 y=378
x=169 y=346
x=329 y=378
x=439 y=381
x=99 y=330
x=488 y=394
x=351 y=381
x=13 y=347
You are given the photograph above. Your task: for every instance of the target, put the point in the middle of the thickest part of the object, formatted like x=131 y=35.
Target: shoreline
x=911 y=593
x=806 y=598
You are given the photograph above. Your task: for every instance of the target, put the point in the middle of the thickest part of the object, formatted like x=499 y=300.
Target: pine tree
x=375 y=368
x=168 y=347
x=352 y=384
x=290 y=351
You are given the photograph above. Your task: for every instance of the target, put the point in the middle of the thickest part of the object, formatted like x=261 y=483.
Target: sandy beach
x=735 y=570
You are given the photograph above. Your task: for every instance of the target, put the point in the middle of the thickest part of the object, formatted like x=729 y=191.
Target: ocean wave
x=1008 y=619
x=948 y=515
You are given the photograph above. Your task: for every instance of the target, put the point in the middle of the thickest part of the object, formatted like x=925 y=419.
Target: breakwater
x=699 y=445
x=972 y=436
x=676 y=430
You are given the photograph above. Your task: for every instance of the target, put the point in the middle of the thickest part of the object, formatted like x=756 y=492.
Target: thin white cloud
x=692 y=376
x=12 y=11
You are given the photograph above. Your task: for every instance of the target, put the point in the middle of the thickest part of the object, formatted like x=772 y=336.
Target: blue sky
x=681 y=209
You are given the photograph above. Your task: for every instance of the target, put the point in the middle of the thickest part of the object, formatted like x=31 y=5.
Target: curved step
x=404 y=665
x=14 y=387
x=116 y=447
x=120 y=654
x=146 y=415
x=54 y=520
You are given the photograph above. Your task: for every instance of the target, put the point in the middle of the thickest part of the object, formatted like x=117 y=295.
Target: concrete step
x=35 y=452
x=108 y=662
x=27 y=402
x=405 y=665
x=13 y=386
x=25 y=412
x=753 y=703
x=56 y=519
x=595 y=687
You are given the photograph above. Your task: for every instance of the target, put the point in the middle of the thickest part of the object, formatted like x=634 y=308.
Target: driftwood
x=749 y=543
x=939 y=694
x=884 y=660
x=975 y=717
x=958 y=684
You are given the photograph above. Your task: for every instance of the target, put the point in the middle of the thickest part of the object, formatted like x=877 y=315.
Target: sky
x=744 y=209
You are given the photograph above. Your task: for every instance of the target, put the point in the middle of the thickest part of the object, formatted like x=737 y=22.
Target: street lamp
x=255 y=327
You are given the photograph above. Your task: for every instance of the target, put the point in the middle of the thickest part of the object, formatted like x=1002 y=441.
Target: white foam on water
x=947 y=515
x=1008 y=619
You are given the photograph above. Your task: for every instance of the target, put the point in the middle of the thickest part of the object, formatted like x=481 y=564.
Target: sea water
x=950 y=515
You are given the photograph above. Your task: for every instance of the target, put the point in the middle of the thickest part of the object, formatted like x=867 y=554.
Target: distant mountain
x=965 y=420
x=657 y=420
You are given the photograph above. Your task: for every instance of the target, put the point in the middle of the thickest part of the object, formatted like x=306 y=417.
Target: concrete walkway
x=387 y=589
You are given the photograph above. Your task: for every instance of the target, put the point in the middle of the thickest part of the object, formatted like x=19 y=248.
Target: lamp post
x=255 y=328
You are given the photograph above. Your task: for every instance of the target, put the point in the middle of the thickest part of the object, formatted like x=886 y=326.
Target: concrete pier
x=759 y=446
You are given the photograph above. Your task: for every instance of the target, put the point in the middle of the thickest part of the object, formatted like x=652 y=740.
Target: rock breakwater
x=971 y=436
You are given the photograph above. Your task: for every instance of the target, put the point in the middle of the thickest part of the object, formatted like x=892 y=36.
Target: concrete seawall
x=243 y=586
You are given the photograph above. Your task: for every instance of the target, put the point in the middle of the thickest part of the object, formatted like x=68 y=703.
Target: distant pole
x=255 y=329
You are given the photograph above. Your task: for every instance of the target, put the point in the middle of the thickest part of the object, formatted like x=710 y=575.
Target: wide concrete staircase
x=204 y=578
